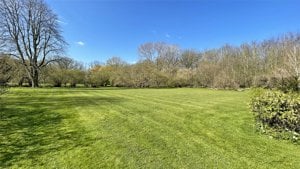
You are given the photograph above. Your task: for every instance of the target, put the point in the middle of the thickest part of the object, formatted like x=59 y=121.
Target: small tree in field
x=30 y=32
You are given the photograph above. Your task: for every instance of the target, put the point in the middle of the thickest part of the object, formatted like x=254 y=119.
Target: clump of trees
x=272 y=63
x=64 y=71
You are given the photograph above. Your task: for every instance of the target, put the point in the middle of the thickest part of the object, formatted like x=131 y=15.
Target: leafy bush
x=277 y=113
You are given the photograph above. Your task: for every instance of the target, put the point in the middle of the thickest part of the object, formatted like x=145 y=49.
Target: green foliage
x=277 y=113
x=97 y=78
x=75 y=76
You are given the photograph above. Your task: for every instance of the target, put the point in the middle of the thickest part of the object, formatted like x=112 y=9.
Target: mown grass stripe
x=136 y=128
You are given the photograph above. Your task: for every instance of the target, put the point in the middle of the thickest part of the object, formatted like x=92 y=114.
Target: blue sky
x=98 y=29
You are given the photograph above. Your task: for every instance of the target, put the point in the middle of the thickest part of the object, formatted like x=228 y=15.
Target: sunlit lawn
x=135 y=128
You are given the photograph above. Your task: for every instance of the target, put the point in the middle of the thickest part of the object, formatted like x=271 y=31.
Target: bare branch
x=29 y=31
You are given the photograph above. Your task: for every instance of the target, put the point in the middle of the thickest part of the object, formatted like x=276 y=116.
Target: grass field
x=135 y=128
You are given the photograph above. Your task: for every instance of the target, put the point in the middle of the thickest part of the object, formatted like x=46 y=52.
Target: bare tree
x=116 y=62
x=148 y=51
x=169 y=56
x=190 y=58
x=292 y=64
x=30 y=32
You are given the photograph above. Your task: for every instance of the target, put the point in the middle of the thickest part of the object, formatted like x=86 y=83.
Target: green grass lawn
x=135 y=128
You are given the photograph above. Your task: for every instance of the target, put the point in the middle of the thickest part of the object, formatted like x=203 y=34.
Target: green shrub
x=277 y=112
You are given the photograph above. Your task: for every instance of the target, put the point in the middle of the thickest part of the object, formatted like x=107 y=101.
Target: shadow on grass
x=34 y=126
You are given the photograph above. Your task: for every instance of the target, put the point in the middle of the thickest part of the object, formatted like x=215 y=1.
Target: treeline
x=273 y=63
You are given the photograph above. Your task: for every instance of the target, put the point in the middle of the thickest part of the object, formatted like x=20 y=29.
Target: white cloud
x=62 y=22
x=168 y=35
x=80 y=43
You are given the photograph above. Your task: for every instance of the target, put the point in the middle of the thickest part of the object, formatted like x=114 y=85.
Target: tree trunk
x=35 y=78
x=21 y=81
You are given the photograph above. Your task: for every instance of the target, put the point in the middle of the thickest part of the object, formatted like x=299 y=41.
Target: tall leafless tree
x=292 y=64
x=29 y=31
